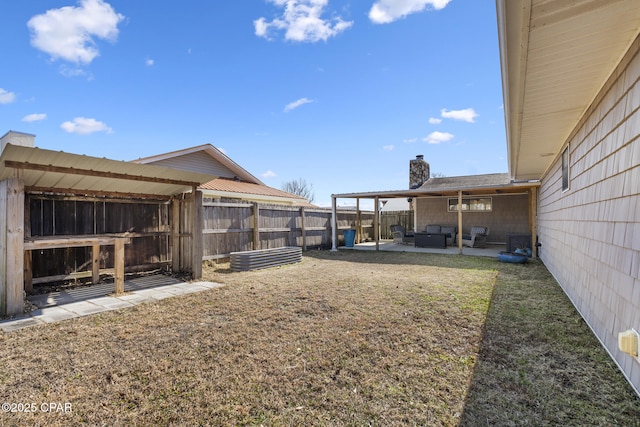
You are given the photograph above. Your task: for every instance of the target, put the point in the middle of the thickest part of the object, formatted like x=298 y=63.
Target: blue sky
x=342 y=94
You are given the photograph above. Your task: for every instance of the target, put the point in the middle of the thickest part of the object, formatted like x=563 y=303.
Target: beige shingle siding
x=590 y=234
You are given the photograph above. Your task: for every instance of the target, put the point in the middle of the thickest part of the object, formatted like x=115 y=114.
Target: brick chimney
x=17 y=138
x=419 y=172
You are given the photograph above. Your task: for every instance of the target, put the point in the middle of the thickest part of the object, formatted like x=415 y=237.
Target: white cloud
x=467 y=115
x=435 y=120
x=6 y=97
x=438 y=137
x=68 y=33
x=34 y=117
x=410 y=140
x=302 y=21
x=295 y=104
x=85 y=126
x=386 y=11
x=269 y=174
x=388 y=148
x=149 y=62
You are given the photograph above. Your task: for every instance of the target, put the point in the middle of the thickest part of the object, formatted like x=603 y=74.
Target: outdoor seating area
x=477 y=238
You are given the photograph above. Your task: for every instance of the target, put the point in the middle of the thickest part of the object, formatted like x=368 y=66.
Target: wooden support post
x=28 y=271
x=533 y=218
x=334 y=225
x=304 y=232
x=95 y=264
x=358 y=222
x=376 y=231
x=256 y=226
x=196 y=240
x=118 y=265
x=174 y=241
x=460 y=222
x=15 y=243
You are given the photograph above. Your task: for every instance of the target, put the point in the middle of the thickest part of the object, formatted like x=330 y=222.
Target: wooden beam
x=35 y=243
x=91 y=172
x=96 y=193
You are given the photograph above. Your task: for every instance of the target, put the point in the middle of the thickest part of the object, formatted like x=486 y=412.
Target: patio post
x=358 y=221
x=334 y=234
x=460 y=222
x=376 y=231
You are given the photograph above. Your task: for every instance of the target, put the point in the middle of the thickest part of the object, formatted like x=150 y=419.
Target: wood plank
x=36 y=243
x=3 y=247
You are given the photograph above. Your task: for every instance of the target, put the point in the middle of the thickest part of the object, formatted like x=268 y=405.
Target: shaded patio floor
x=388 y=245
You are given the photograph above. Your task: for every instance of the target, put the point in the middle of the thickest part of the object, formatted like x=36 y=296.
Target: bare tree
x=301 y=188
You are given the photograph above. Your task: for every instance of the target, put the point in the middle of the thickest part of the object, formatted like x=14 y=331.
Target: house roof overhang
x=56 y=171
x=555 y=57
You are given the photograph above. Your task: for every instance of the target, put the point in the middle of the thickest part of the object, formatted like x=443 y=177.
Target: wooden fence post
x=304 y=232
x=196 y=233
x=174 y=240
x=256 y=226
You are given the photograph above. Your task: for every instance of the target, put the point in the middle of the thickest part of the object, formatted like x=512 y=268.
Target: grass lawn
x=347 y=338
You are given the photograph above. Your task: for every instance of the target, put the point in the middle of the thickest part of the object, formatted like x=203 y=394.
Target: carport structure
x=97 y=185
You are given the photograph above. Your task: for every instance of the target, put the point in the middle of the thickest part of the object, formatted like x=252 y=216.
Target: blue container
x=349 y=238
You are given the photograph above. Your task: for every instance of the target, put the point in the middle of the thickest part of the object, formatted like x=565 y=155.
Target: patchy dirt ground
x=342 y=338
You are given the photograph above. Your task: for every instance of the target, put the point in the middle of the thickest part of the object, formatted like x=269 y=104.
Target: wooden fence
x=160 y=231
x=387 y=219
x=234 y=227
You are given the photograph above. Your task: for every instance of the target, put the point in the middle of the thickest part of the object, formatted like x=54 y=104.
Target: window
x=476 y=204
x=565 y=169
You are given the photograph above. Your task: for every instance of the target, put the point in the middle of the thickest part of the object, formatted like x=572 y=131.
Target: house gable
x=198 y=161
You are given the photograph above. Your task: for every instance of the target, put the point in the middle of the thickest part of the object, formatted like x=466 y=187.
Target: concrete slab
x=88 y=300
x=111 y=303
x=52 y=314
x=84 y=308
x=14 y=325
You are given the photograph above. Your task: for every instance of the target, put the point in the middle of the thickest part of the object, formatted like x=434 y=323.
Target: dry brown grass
x=343 y=338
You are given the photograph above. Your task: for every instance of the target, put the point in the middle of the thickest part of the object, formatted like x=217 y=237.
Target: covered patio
x=448 y=199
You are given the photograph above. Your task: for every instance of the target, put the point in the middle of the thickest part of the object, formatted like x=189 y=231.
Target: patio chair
x=477 y=238
x=401 y=236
